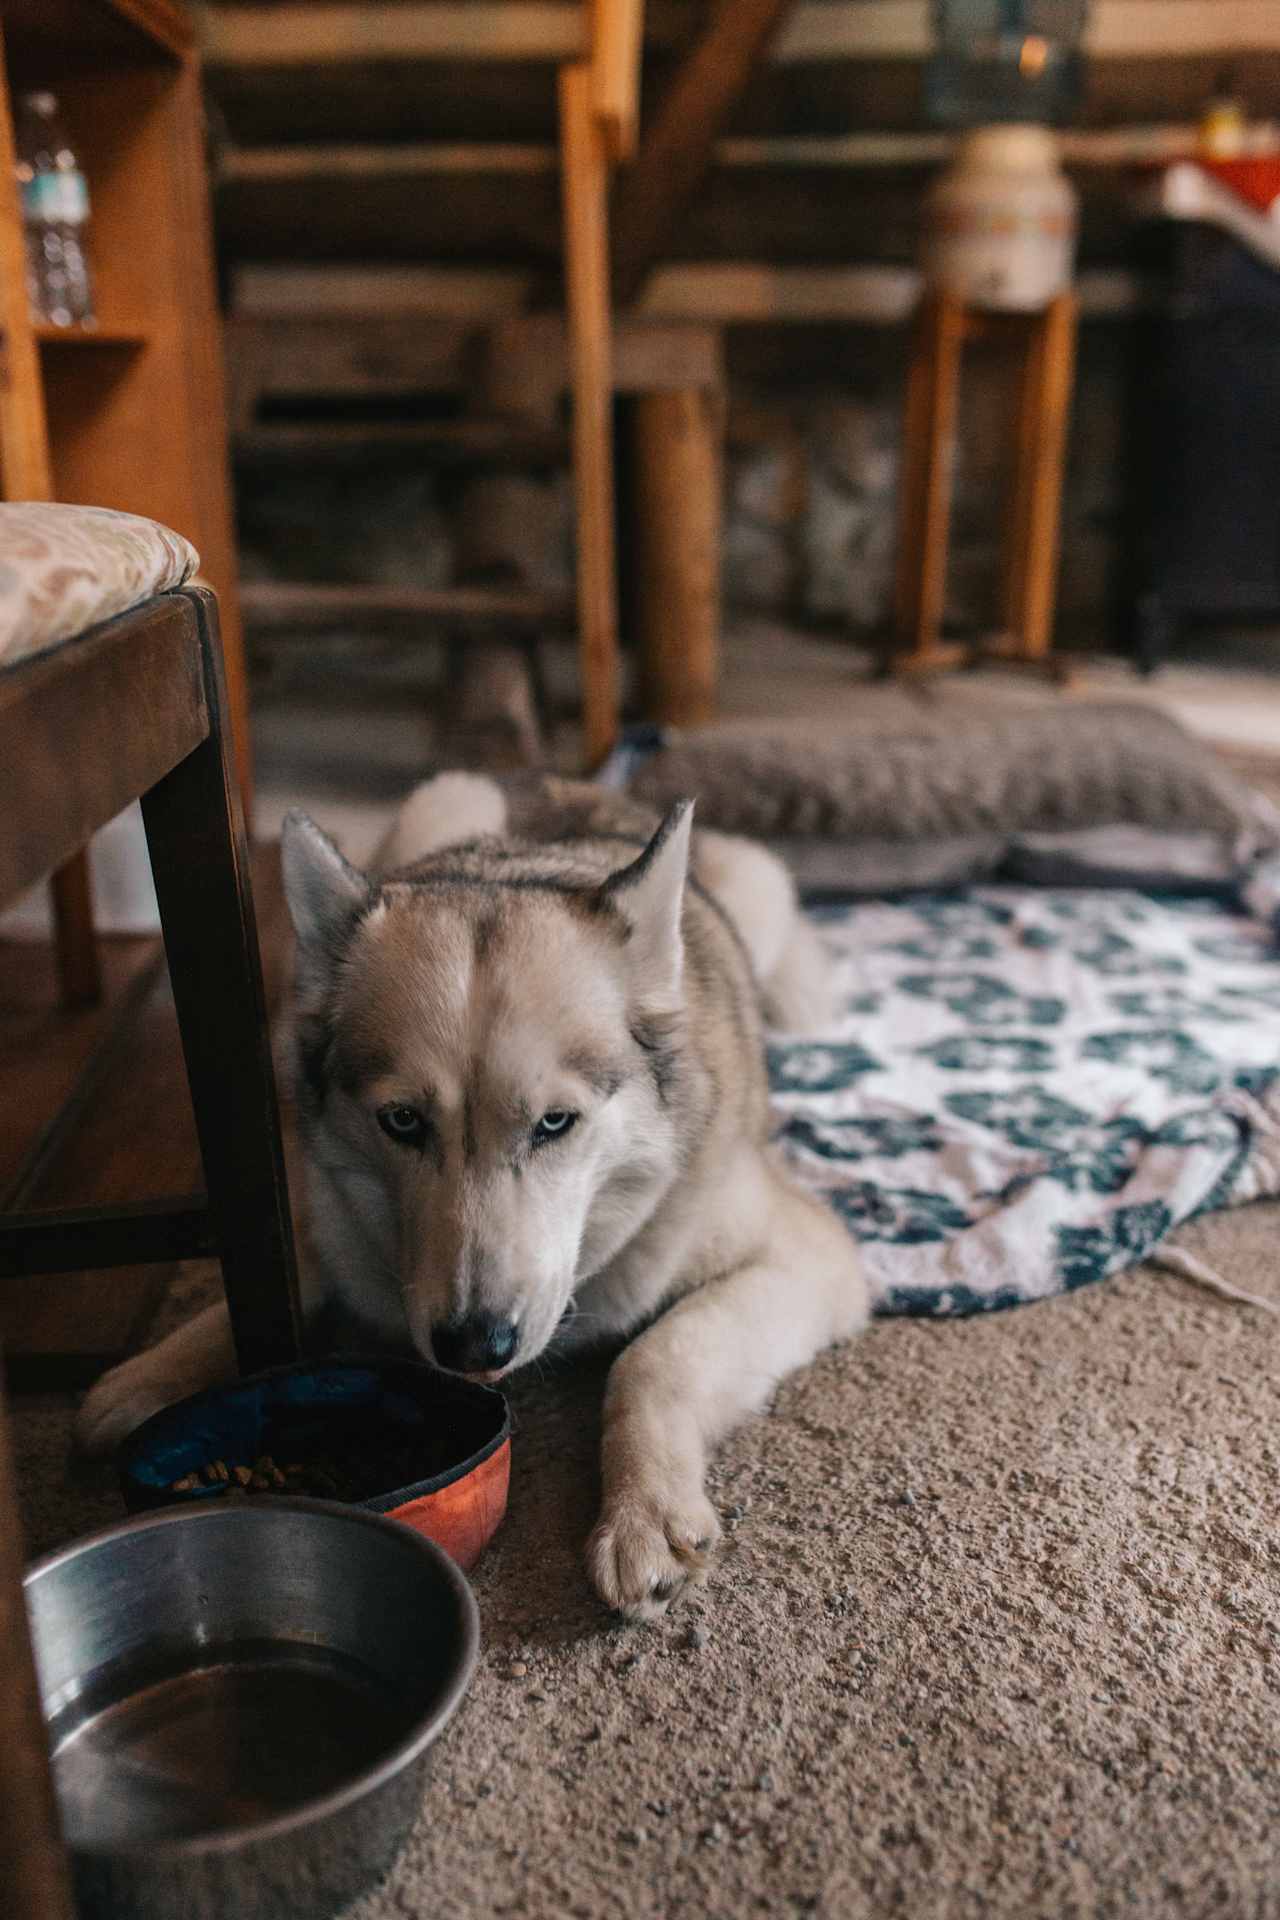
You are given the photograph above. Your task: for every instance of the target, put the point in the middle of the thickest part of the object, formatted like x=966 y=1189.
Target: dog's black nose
x=475 y=1343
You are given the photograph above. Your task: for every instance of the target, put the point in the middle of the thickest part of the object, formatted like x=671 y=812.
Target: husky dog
x=530 y=1079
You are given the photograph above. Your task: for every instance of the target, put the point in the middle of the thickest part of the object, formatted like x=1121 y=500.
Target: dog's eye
x=552 y=1124
x=403 y=1124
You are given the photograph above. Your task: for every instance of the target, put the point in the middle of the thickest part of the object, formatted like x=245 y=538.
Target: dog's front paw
x=647 y=1547
x=120 y=1401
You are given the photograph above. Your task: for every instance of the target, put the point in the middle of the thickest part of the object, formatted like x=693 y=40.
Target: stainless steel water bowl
x=241 y=1704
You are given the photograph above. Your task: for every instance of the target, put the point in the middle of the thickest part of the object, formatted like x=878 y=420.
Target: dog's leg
x=699 y=1370
x=199 y=1354
x=440 y=813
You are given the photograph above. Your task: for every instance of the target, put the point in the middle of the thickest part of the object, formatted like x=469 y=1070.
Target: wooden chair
x=136 y=708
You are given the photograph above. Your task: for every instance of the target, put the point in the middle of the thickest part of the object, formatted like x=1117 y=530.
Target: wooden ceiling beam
x=335 y=32
x=678 y=149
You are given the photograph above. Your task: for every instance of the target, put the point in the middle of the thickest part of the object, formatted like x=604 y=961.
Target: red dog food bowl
x=395 y=1437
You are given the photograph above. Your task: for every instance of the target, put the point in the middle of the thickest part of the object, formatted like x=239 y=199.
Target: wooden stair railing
x=599 y=110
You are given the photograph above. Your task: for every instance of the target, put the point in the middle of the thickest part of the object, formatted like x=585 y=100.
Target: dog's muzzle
x=474 y=1343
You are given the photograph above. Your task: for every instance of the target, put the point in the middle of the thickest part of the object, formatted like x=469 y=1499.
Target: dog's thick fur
x=528 y=954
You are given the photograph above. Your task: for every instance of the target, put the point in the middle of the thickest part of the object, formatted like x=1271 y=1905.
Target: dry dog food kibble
x=264 y=1476
x=376 y=1464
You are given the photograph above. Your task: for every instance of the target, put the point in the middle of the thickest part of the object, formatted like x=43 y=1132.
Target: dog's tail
x=442 y=813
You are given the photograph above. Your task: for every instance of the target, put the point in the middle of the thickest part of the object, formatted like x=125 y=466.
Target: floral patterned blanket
x=1029 y=1090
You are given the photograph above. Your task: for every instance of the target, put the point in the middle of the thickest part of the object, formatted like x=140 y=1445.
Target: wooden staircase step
x=294 y=607
x=445 y=442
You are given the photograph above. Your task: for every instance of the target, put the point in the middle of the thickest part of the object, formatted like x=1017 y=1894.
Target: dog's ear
x=650 y=895
x=326 y=894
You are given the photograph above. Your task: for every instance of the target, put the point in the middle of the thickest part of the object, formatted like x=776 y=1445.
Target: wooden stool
x=157 y=673
x=1046 y=340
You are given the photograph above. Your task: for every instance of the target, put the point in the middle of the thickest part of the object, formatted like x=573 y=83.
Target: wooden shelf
x=50 y=336
x=130 y=413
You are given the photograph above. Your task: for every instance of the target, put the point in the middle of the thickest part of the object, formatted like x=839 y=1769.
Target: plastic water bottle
x=55 y=214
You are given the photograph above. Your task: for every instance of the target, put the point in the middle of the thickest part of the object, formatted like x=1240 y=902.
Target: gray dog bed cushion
x=1065 y=793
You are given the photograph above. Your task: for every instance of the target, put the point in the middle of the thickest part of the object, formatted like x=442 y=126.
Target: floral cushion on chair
x=64 y=569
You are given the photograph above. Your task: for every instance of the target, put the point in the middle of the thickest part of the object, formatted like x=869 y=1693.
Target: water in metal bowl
x=241 y=1703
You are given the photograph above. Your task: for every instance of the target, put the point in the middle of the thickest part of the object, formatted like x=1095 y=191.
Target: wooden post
x=677 y=508
x=26 y=473
x=584 y=175
x=925 y=500
x=33 y=1868
x=1031 y=555
x=617 y=39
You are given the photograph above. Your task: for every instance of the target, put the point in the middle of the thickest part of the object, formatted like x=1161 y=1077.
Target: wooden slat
x=705 y=294
x=62 y=1239
x=1116 y=29
x=584 y=179
x=617 y=35
x=380 y=292
x=296 y=357
x=446 y=442
x=818 y=31
x=836 y=152
x=66 y=774
x=409 y=160
x=527 y=360
x=284 y=606
x=287 y=35
x=855 y=152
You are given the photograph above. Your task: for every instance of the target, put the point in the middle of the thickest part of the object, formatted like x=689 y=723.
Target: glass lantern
x=1005 y=60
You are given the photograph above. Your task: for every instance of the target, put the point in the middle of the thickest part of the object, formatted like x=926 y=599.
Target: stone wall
x=812 y=488
x=811 y=479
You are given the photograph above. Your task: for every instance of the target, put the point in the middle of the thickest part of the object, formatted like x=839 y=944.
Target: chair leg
x=79 y=969
x=200 y=861
x=33 y=1870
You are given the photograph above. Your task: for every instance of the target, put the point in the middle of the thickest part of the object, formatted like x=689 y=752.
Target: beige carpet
x=996 y=1632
